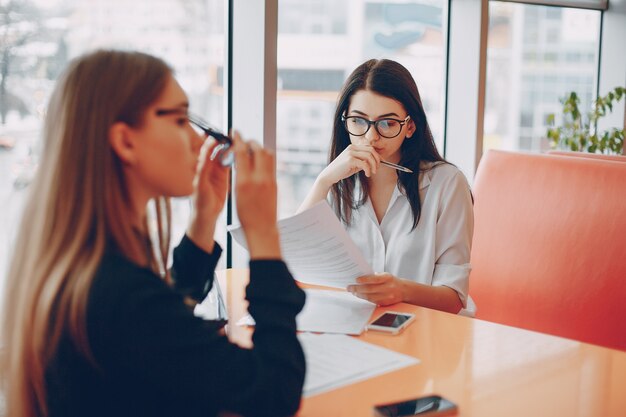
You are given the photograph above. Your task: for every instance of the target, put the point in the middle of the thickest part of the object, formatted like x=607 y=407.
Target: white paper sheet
x=328 y=311
x=334 y=312
x=316 y=248
x=334 y=361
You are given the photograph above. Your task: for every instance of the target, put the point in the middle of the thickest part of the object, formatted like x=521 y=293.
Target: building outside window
x=39 y=38
x=319 y=43
x=535 y=55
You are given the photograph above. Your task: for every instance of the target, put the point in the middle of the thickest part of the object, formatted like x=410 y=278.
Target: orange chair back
x=549 y=247
x=618 y=158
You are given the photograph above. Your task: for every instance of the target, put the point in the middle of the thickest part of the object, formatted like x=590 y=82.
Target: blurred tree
x=19 y=24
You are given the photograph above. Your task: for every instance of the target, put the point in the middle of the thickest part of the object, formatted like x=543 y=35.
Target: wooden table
x=485 y=368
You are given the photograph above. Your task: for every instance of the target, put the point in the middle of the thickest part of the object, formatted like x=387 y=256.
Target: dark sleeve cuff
x=193 y=268
x=272 y=290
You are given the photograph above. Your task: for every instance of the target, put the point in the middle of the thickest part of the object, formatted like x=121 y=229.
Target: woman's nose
x=197 y=140
x=372 y=135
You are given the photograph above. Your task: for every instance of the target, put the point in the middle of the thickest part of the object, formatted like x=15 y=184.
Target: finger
x=366 y=149
x=363 y=297
x=266 y=166
x=378 y=299
x=367 y=289
x=255 y=151
x=373 y=161
x=365 y=167
x=373 y=158
x=210 y=152
x=368 y=156
x=373 y=279
x=203 y=163
x=243 y=163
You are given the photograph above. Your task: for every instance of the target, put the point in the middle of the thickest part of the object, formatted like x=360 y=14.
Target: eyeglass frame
x=199 y=123
x=345 y=118
x=226 y=158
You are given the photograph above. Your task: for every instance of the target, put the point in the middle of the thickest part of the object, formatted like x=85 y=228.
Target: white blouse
x=437 y=251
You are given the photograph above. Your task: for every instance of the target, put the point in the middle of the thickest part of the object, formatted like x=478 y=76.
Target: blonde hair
x=79 y=206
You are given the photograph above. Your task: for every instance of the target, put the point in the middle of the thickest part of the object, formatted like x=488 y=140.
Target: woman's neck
x=384 y=177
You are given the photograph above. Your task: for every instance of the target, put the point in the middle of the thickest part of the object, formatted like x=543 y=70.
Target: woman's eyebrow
x=181 y=108
x=379 y=117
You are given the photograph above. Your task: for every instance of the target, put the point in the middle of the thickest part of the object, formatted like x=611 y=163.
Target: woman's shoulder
x=441 y=172
x=118 y=278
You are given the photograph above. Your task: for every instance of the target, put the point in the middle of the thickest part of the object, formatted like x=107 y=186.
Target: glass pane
x=535 y=55
x=38 y=39
x=320 y=42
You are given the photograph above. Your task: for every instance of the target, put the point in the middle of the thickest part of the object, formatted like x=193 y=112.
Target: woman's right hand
x=353 y=159
x=255 y=186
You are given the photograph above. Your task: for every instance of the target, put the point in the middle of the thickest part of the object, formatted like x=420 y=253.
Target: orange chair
x=619 y=158
x=549 y=248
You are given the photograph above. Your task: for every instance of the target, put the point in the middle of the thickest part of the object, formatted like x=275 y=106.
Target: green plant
x=579 y=132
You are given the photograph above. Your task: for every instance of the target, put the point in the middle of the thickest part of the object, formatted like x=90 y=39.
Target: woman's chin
x=182 y=192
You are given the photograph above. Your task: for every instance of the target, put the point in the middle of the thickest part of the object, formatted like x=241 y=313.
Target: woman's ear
x=121 y=140
x=410 y=128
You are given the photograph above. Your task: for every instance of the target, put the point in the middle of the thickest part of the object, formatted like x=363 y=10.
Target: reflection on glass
x=315 y=58
x=535 y=55
x=40 y=37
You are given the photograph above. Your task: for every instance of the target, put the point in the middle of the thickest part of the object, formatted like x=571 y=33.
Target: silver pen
x=398 y=167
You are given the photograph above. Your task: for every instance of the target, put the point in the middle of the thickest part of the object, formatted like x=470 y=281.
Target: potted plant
x=579 y=132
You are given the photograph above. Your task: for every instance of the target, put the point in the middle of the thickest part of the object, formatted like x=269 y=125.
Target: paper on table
x=329 y=312
x=333 y=361
x=334 y=312
x=316 y=248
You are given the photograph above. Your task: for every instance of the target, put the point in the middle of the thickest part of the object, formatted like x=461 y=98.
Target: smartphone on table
x=430 y=406
x=391 y=322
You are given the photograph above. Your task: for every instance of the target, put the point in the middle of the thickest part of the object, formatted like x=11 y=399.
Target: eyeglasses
x=203 y=129
x=387 y=128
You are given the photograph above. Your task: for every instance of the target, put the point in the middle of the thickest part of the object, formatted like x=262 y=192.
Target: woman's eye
x=182 y=121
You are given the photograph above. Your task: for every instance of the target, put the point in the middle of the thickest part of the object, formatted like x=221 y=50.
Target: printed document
x=329 y=311
x=316 y=248
x=334 y=360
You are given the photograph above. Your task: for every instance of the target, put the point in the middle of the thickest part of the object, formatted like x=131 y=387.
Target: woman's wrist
x=202 y=232
x=323 y=184
x=405 y=289
x=263 y=243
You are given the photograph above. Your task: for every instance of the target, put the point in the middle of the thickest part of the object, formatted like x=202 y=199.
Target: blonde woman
x=90 y=325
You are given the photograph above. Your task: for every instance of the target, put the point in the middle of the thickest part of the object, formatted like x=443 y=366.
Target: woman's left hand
x=210 y=191
x=383 y=288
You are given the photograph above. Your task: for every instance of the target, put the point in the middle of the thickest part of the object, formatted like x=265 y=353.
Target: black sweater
x=154 y=358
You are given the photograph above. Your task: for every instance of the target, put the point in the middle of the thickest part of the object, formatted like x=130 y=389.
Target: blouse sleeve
x=455 y=227
x=193 y=268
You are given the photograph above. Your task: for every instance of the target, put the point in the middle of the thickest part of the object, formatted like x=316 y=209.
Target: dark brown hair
x=390 y=79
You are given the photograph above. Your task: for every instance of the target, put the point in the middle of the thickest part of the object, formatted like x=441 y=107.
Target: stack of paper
x=329 y=312
x=316 y=248
x=333 y=361
x=334 y=312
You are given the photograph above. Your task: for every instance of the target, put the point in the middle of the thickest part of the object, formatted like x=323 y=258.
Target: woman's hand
x=256 y=189
x=383 y=289
x=353 y=159
x=210 y=190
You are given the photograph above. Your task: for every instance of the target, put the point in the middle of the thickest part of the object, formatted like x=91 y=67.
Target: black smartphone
x=433 y=405
x=391 y=322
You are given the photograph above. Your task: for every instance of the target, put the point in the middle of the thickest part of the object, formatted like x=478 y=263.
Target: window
x=189 y=35
x=535 y=55
x=313 y=64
